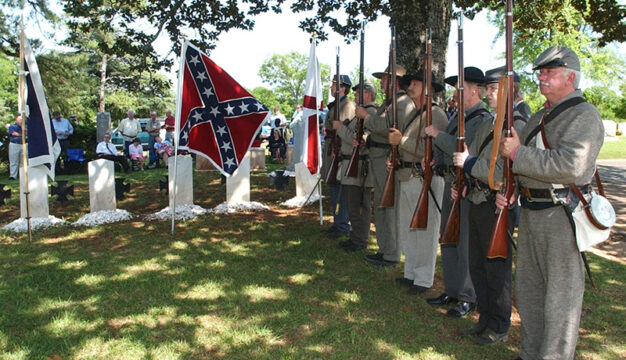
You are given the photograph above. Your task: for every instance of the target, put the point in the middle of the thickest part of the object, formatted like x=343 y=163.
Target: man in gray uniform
x=454 y=259
x=550 y=279
x=491 y=278
x=418 y=245
x=358 y=189
x=339 y=206
x=378 y=124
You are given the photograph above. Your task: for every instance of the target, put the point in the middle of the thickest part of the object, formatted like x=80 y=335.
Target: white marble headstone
x=305 y=181
x=610 y=127
x=38 y=192
x=184 y=180
x=257 y=159
x=238 y=184
x=101 y=185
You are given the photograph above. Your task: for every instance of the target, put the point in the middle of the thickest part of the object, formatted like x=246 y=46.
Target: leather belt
x=375 y=144
x=443 y=170
x=479 y=185
x=411 y=165
x=548 y=195
x=349 y=156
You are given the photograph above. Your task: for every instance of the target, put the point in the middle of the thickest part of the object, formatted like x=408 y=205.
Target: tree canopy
x=287 y=75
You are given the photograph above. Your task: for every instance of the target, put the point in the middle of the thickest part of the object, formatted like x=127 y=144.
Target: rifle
x=453 y=225
x=420 y=216
x=353 y=165
x=335 y=145
x=498 y=245
x=387 y=197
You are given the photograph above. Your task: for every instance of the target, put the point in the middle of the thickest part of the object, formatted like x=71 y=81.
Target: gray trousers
x=550 y=282
x=455 y=259
x=15 y=157
x=359 y=202
x=384 y=218
x=419 y=245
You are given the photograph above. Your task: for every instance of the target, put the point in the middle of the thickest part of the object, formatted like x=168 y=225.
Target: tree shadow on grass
x=239 y=286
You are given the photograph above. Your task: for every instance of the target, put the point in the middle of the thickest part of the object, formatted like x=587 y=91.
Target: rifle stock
x=353 y=165
x=335 y=146
x=420 y=216
x=453 y=224
x=389 y=189
x=498 y=244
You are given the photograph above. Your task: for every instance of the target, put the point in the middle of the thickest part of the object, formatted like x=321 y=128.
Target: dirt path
x=613 y=175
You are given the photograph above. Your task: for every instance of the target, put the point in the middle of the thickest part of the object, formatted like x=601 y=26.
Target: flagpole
x=317 y=123
x=21 y=90
x=177 y=127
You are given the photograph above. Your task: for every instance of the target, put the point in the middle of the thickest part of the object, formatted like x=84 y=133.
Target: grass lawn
x=613 y=149
x=240 y=286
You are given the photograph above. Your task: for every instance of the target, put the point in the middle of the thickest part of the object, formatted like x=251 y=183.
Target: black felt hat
x=471 y=74
x=419 y=76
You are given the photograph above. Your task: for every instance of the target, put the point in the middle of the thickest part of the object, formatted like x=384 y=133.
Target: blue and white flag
x=43 y=146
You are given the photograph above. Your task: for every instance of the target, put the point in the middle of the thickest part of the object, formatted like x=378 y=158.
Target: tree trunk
x=412 y=19
x=103 y=79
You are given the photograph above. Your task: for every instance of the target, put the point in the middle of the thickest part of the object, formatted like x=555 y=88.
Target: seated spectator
x=135 y=150
x=277 y=146
x=106 y=150
x=163 y=149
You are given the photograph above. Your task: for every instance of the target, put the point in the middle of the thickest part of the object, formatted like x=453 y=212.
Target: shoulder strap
x=550 y=115
x=411 y=120
x=470 y=117
x=485 y=142
x=572 y=186
x=520 y=118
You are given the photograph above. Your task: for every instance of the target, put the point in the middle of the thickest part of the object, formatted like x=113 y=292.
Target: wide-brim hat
x=367 y=86
x=400 y=71
x=494 y=75
x=419 y=76
x=470 y=73
x=343 y=79
x=557 y=56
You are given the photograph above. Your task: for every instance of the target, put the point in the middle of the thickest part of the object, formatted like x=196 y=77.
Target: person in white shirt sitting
x=106 y=150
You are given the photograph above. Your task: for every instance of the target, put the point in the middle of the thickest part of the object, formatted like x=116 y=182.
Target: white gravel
x=245 y=206
x=103 y=217
x=183 y=212
x=298 y=201
x=21 y=225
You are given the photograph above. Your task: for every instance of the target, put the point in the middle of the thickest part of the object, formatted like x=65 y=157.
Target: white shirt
x=106 y=148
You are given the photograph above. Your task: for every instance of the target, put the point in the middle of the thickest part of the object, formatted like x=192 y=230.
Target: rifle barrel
x=452 y=231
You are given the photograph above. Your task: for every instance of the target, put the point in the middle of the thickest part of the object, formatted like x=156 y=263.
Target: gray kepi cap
x=343 y=79
x=367 y=86
x=557 y=56
x=493 y=75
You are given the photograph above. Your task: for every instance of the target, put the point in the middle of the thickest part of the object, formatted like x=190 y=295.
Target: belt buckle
x=555 y=199
x=526 y=193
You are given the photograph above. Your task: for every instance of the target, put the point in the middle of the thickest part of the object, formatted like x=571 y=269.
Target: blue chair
x=77 y=155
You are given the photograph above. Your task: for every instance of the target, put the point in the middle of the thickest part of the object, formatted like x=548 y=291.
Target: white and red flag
x=216 y=117
x=310 y=114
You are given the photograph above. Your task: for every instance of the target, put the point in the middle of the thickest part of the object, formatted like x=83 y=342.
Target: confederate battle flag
x=216 y=117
